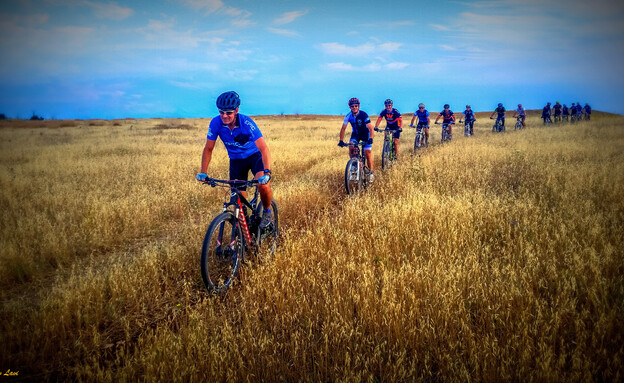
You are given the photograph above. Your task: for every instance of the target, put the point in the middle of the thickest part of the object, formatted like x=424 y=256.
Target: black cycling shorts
x=239 y=169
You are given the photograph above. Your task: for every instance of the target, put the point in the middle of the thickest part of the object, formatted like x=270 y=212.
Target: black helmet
x=446 y=106
x=228 y=101
x=354 y=101
x=388 y=102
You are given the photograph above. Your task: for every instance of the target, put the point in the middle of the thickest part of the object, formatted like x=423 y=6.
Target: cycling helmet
x=548 y=103
x=446 y=106
x=519 y=105
x=228 y=101
x=421 y=105
x=573 y=104
x=388 y=102
x=467 y=106
x=557 y=102
x=354 y=101
x=499 y=104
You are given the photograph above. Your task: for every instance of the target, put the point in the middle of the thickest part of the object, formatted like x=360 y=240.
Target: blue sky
x=172 y=58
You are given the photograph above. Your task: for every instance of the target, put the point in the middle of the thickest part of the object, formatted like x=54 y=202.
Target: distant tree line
x=34 y=117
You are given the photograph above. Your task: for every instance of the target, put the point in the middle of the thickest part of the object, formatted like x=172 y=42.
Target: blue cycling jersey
x=468 y=115
x=422 y=116
x=392 y=118
x=521 y=112
x=240 y=142
x=358 y=122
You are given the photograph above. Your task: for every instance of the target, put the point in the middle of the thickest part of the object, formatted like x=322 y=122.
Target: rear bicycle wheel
x=266 y=239
x=417 y=142
x=385 y=154
x=353 y=177
x=222 y=252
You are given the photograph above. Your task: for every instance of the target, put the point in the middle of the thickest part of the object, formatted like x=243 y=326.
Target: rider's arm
x=370 y=129
x=342 y=132
x=437 y=118
x=264 y=150
x=400 y=122
x=378 y=121
x=413 y=118
x=207 y=155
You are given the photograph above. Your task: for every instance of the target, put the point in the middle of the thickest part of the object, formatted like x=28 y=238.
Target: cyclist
x=520 y=114
x=500 y=112
x=546 y=113
x=469 y=117
x=557 y=109
x=362 y=130
x=588 y=111
x=579 y=111
x=394 y=121
x=245 y=146
x=448 y=118
x=565 y=112
x=423 y=121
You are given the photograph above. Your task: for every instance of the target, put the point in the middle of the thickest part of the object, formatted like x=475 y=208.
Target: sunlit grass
x=492 y=257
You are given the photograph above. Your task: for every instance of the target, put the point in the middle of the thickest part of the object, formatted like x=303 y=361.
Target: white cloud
x=216 y=6
x=110 y=10
x=283 y=32
x=438 y=27
x=396 y=65
x=359 y=50
x=340 y=66
x=289 y=17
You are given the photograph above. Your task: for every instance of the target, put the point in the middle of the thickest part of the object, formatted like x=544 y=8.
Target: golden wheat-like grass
x=495 y=257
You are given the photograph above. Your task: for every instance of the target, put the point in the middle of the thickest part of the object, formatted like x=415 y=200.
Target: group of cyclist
x=248 y=150
x=561 y=113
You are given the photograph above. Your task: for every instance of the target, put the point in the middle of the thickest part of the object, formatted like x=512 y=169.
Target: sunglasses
x=227 y=112
x=354 y=106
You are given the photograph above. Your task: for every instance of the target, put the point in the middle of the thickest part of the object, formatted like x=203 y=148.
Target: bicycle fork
x=242 y=220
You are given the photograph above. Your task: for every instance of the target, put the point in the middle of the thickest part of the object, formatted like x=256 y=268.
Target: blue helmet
x=228 y=101
x=388 y=102
x=499 y=104
x=446 y=106
x=354 y=101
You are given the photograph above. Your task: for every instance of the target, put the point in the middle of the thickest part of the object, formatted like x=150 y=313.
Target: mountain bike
x=234 y=231
x=498 y=126
x=357 y=171
x=387 y=152
x=467 y=128
x=446 y=136
x=421 y=139
x=518 y=123
x=548 y=121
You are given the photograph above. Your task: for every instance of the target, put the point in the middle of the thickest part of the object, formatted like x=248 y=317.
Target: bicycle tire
x=467 y=130
x=353 y=178
x=518 y=125
x=220 y=266
x=385 y=155
x=417 y=142
x=267 y=239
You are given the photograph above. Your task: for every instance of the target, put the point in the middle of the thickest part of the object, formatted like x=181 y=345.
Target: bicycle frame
x=238 y=200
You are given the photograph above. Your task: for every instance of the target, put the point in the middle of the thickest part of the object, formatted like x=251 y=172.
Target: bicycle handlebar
x=213 y=182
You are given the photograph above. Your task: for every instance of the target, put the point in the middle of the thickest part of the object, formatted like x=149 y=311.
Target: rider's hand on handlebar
x=201 y=177
x=264 y=179
x=369 y=142
x=412 y=126
x=342 y=144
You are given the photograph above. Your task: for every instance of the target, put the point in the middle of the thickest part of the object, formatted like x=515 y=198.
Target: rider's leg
x=396 y=148
x=369 y=158
x=426 y=136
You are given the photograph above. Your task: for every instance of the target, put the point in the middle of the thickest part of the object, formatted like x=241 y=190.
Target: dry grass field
x=495 y=257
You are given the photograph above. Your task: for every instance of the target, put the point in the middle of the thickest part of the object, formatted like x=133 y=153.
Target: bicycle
x=421 y=139
x=498 y=126
x=357 y=172
x=232 y=232
x=518 y=123
x=387 y=152
x=467 y=128
x=446 y=136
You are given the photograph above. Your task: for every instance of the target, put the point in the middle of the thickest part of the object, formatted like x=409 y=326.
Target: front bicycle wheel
x=222 y=252
x=467 y=130
x=417 y=142
x=385 y=154
x=353 y=178
x=266 y=239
